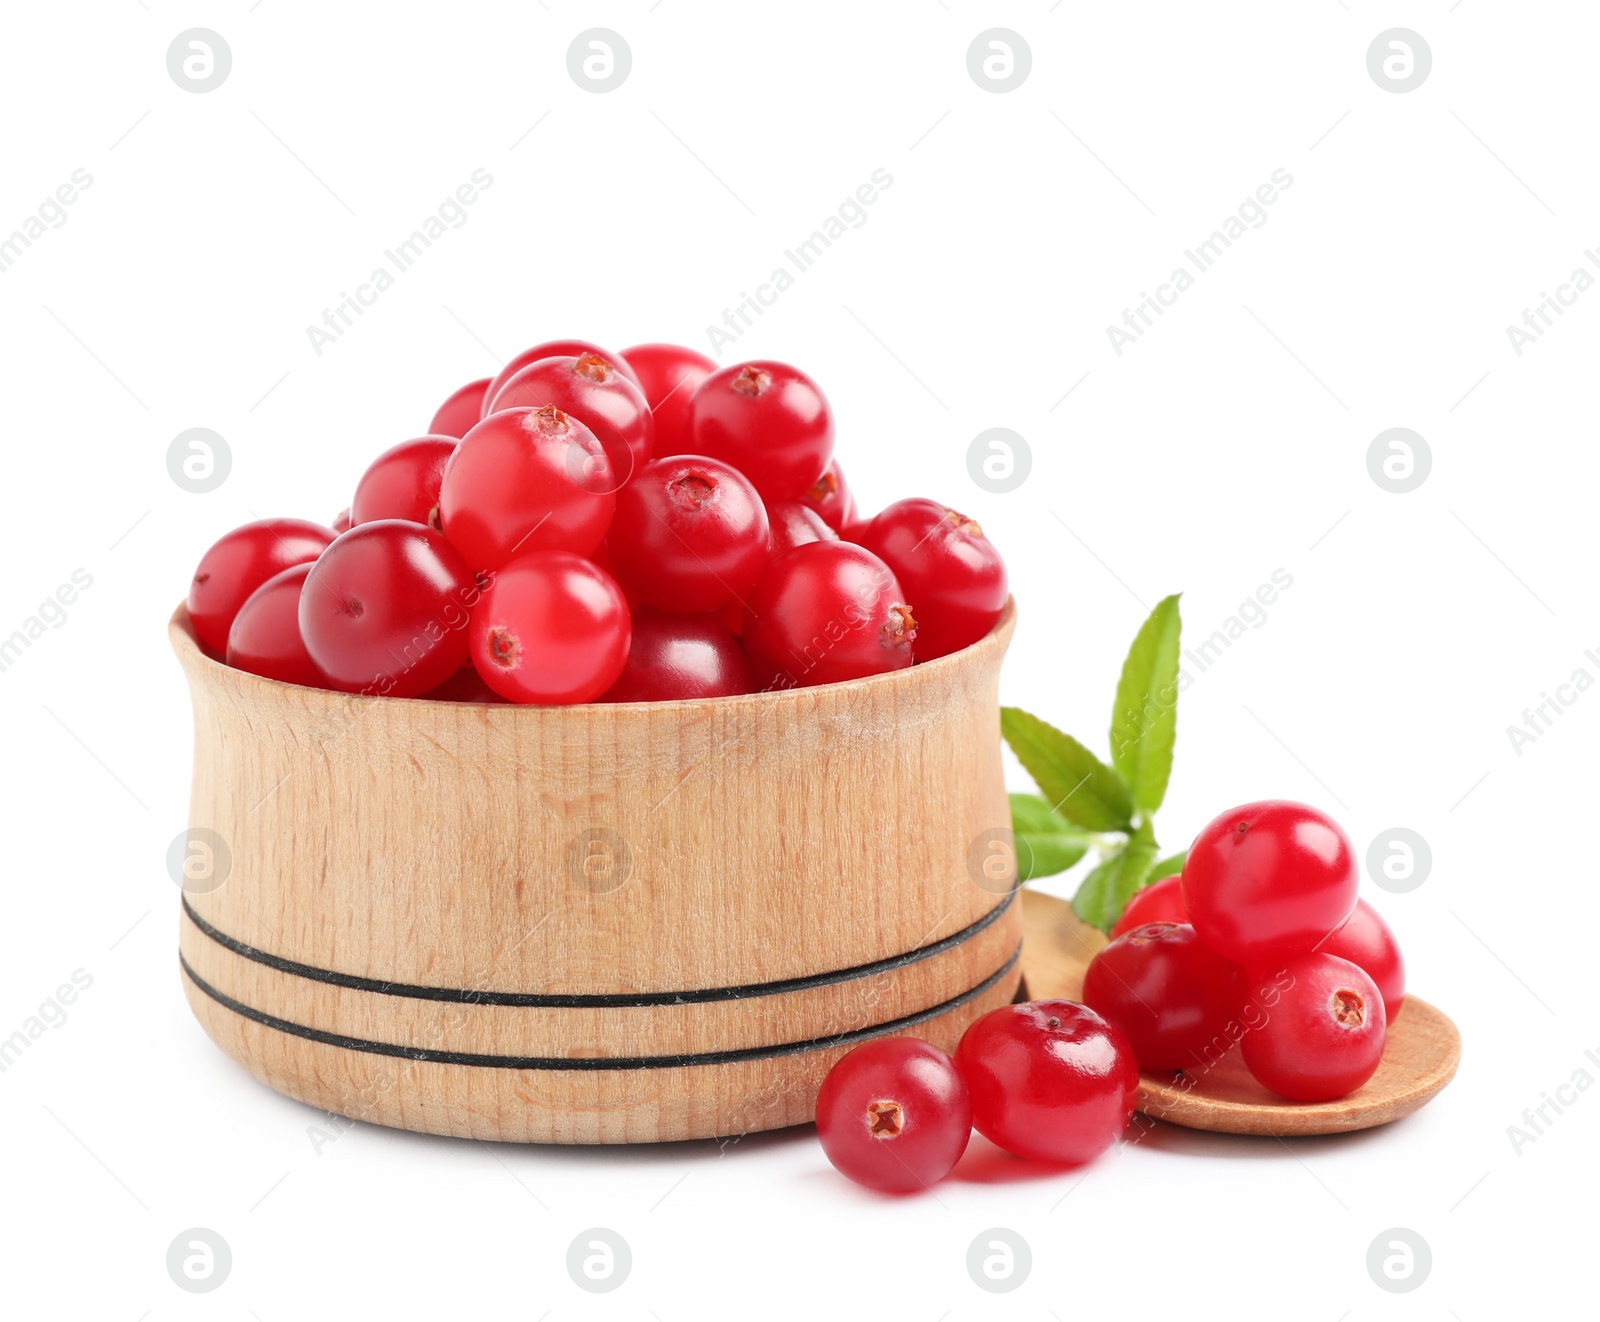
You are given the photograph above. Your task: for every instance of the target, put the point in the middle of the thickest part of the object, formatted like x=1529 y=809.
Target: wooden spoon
x=1419 y=1058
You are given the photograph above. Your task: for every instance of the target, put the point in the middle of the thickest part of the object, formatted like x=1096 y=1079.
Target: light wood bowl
x=593 y=924
x=1420 y=1054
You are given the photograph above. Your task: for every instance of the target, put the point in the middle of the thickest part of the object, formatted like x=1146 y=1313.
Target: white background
x=1229 y=442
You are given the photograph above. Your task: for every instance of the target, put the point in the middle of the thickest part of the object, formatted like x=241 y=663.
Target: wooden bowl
x=593 y=924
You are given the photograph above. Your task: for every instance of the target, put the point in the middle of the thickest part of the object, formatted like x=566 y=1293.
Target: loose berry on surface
x=894 y=1115
x=1050 y=1080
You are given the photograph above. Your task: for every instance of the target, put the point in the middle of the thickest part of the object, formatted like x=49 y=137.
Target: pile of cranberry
x=590 y=526
x=1260 y=945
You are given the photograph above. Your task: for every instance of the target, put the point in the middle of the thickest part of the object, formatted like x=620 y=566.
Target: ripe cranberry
x=549 y=349
x=794 y=524
x=457 y=414
x=947 y=566
x=526 y=480
x=831 y=498
x=1159 y=902
x=341 y=522
x=894 y=1115
x=1167 y=991
x=1366 y=941
x=1050 y=1080
x=550 y=629
x=403 y=482
x=854 y=531
x=593 y=390
x=769 y=420
x=826 y=612
x=466 y=685
x=1324 y=1030
x=384 y=609
x=690 y=535
x=668 y=374
x=265 y=637
x=241 y=561
x=1269 y=880
x=677 y=656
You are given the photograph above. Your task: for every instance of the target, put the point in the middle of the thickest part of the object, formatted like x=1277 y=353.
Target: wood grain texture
x=599 y=851
x=1420 y=1056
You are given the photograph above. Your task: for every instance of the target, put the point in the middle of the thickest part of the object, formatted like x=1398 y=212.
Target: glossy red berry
x=673 y=657
x=466 y=685
x=549 y=349
x=241 y=561
x=826 y=612
x=1269 y=880
x=894 y=1115
x=690 y=535
x=794 y=524
x=265 y=637
x=1050 y=1080
x=526 y=480
x=403 y=482
x=1159 y=902
x=830 y=497
x=769 y=420
x=948 y=567
x=1323 y=1032
x=1169 y=993
x=593 y=390
x=1366 y=941
x=458 y=414
x=550 y=629
x=341 y=522
x=668 y=375
x=385 y=608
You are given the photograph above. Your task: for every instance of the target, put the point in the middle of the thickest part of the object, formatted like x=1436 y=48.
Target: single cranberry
x=466 y=685
x=526 y=480
x=894 y=1114
x=458 y=414
x=403 y=482
x=1269 y=880
x=1050 y=1080
x=1168 y=992
x=830 y=497
x=826 y=612
x=1324 y=1028
x=341 y=522
x=1366 y=941
x=241 y=561
x=668 y=375
x=680 y=656
x=690 y=535
x=265 y=637
x=385 y=609
x=794 y=524
x=769 y=420
x=1159 y=902
x=550 y=629
x=593 y=390
x=549 y=349
x=947 y=566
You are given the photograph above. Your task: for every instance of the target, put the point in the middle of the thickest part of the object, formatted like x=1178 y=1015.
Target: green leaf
x=1078 y=784
x=1046 y=842
x=1111 y=883
x=1144 y=721
x=1170 y=866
